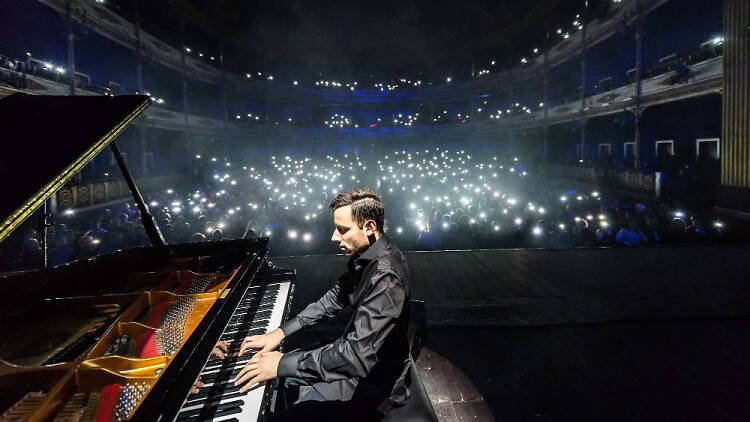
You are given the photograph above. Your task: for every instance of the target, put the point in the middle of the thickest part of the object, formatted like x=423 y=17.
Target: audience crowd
x=435 y=199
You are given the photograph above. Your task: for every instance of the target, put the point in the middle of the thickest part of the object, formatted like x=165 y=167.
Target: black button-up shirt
x=371 y=357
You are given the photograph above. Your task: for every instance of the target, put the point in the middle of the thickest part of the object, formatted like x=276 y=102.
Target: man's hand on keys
x=263 y=343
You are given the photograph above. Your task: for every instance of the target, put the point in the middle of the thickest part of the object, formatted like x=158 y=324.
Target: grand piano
x=123 y=336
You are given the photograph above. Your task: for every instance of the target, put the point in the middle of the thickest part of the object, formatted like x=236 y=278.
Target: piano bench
x=417 y=329
x=417 y=407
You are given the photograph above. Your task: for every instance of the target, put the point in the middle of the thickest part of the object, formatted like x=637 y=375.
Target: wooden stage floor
x=575 y=334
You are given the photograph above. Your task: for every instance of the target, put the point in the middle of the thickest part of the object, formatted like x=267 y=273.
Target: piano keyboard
x=260 y=311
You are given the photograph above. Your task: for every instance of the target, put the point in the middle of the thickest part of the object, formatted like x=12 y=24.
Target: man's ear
x=371 y=226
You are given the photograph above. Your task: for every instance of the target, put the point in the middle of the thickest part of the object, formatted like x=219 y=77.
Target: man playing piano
x=362 y=374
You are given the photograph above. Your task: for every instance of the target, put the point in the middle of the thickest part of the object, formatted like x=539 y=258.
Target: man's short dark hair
x=366 y=205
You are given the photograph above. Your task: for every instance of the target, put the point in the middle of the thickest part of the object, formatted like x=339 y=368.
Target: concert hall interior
x=568 y=181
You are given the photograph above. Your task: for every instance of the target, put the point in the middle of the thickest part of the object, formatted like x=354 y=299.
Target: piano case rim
x=167 y=395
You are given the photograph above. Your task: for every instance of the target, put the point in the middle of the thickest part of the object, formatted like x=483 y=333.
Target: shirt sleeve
x=357 y=353
x=326 y=307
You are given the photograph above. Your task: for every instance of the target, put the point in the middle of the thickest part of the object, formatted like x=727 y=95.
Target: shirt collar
x=382 y=243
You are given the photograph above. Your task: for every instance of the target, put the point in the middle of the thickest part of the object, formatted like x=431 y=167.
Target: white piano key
x=252 y=407
x=254 y=398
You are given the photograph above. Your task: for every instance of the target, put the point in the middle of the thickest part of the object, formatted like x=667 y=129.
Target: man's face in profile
x=346 y=232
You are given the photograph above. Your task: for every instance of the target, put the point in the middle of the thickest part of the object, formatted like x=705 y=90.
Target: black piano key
x=259 y=320
x=257 y=302
x=221 y=375
x=215 y=398
x=244 y=329
x=220 y=386
x=263 y=307
x=261 y=289
x=259 y=297
x=236 y=339
x=245 y=314
x=210 y=408
x=226 y=362
x=256 y=323
x=266 y=301
x=239 y=336
x=273 y=288
x=250 y=317
x=243 y=333
x=208 y=413
x=211 y=418
x=210 y=372
x=230 y=357
x=260 y=293
x=220 y=370
x=212 y=391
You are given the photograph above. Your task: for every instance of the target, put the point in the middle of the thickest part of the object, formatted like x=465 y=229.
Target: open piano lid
x=53 y=137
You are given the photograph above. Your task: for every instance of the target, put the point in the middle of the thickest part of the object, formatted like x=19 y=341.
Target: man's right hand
x=264 y=342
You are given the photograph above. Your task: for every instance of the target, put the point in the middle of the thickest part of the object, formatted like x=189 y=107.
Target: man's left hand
x=261 y=368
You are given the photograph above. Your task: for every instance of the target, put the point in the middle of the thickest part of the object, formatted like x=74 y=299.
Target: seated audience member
x=631 y=234
x=652 y=231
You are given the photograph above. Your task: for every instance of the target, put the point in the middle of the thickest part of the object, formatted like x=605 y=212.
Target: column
x=583 y=82
x=734 y=191
x=638 y=77
x=71 y=44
